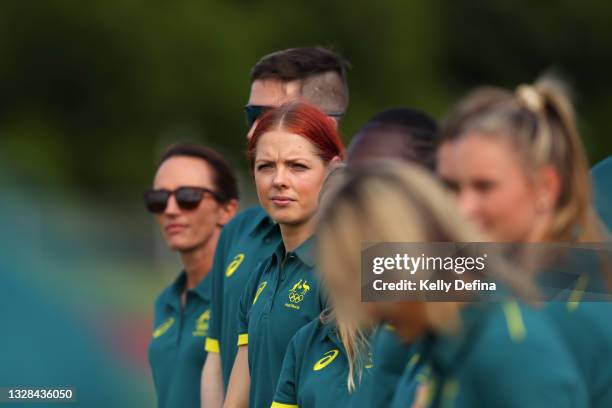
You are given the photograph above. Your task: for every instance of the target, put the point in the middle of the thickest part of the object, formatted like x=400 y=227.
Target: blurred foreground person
x=292 y=150
x=411 y=136
x=316 y=370
x=311 y=74
x=602 y=182
x=481 y=354
x=517 y=166
x=398 y=133
x=194 y=195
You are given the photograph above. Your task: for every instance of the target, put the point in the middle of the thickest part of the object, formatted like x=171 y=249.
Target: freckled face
x=288 y=175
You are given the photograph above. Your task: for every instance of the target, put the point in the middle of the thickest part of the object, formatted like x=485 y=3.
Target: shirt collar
x=202 y=290
x=329 y=332
x=447 y=350
x=304 y=252
x=172 y=296
x=262 y=223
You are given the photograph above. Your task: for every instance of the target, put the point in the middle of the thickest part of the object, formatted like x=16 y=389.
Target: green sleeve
x=525 y=364
x=216 y=307
x=246 y=301
x=286 y=392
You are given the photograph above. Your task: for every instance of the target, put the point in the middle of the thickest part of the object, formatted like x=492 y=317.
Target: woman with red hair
x=291 y=152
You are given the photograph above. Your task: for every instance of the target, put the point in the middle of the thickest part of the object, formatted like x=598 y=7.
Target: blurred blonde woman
x=517 y=167
x=495 y=354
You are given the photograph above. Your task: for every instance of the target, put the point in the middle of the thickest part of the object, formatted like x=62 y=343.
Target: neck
x=540 y=230
x=295 y=235
x=198 y=261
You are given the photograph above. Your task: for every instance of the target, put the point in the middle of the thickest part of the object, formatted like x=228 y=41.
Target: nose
x=468 y=203
x=172 y=207
x=280 y=178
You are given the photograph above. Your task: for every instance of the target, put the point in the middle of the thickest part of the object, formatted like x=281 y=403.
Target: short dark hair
x=322 y=72
x=224 y=177
x=299 y=63
x=411 y=135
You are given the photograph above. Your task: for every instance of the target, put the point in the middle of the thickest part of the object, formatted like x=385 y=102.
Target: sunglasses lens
x=188 y=198
x=252 y=113
x=156 y=200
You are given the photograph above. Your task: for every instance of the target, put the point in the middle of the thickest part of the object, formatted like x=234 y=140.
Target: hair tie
x=530 y=98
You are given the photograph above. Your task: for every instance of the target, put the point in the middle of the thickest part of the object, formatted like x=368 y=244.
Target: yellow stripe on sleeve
x=243 y=339
x=211 y=345
x=281 y=405
x=514 y=320
x=577 y=293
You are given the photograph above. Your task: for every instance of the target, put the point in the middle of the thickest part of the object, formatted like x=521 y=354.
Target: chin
x=178 y=245
x=289 y=221
x=284 y=217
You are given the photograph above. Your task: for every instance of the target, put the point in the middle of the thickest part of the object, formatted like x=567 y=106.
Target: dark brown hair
x=321 y=71
x=224 y=177
x=298 y=64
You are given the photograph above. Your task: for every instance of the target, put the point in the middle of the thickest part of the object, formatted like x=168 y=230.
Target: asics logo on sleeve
x=201 y=327
x=260 y=289
x=231 y=268
x=162 y=328
x=327 y=358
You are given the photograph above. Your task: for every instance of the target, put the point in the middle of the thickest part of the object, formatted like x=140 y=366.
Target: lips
x=281 y=201
x=175 y=228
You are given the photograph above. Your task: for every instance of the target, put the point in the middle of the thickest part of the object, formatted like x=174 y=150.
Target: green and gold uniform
x=315 y=371
x=416 y=373
x=602 y=180
x=390 y=357
x=584 y=325
x=507 y=355
x=244 y=243
x=280 y=298
x=176 y=352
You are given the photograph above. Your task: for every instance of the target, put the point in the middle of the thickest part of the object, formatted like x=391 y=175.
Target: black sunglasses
x=187 y=198
x=253 y=112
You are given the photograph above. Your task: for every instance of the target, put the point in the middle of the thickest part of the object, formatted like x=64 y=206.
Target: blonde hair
x=386 y=202
x=539 y=121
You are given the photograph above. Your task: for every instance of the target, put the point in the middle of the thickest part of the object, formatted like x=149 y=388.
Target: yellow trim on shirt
x=514 y=320
x=281 y=405
x=577 y=293
x=243 y=339
x=211 y=345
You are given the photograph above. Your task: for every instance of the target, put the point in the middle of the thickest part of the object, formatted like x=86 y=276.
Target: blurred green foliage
x=93 y=91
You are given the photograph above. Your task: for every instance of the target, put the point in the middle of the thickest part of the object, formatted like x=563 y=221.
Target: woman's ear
x=548 y=188
x=336 y=161
x=228 y=210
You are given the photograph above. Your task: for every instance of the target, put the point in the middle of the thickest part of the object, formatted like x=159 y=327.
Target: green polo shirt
x=176 y=352
x=585 y=326
x=602 y=180
x=390 y=357
x=281 y=297
x=315 y=370
x=244 y=243
x=507 y=355
x=416 y=373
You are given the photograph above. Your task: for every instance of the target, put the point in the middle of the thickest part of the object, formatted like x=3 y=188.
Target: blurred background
x=92 y=92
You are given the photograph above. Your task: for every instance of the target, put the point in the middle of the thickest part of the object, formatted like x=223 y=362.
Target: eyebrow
x=286 y=160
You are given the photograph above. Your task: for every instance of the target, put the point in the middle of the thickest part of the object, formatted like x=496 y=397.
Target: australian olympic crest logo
x=298 y=291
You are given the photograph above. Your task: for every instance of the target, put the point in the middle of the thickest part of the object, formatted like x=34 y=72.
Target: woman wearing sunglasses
x=292 y=150
x=194 y=195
